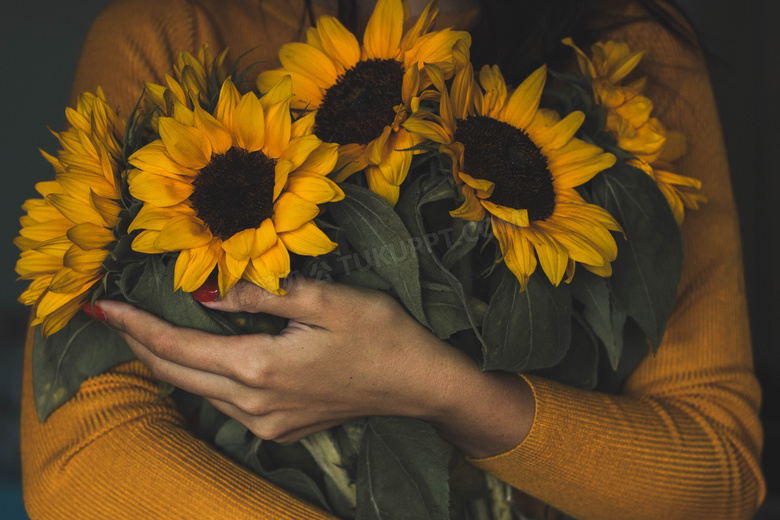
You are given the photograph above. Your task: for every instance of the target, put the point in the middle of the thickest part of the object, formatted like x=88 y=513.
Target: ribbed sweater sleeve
x=683 y=440
x=116 y=450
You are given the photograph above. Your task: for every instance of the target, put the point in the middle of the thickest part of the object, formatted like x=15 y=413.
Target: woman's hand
x=346 y=353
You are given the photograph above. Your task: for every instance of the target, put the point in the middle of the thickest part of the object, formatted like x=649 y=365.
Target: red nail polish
x=208 y=292
x=94 y=311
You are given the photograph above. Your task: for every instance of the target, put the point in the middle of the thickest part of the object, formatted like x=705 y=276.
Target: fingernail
x=94 y=311
x=208 y=292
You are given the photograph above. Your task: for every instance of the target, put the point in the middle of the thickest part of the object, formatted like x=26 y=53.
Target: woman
x=681 y=441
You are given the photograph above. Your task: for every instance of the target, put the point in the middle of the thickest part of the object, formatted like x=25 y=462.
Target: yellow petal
x=423 y=24
x=524 y=101
x=86 y=262
x=411 y=85
x=493 y=83
x=183 y=232
x=384 y=30
x=48 y=187
x=625 y=66
x=251 y=243
x=396 y=164
x=145 y=242
x=462 y=93
x=576 y=175
x=225 y=279
x=46 y=230
x=249 y=124
x=553 y=258
x=562 y=132
x=68 y=281
x=154 y=218
x=299 y=149
x=281 y=171
x=265 y=238
x=217 y=135
x=321 y=161
x=234 y=266
x=228 y=99
x=90 y=236
x=186 y=145
x=436 y=47
x=306 y=93
x=580 y=248
x=35 y=290
x=291 y=212
x=193 y=266
x=257 y=273
x=59 y=309
x=74 y=210
x=379 y=184
x=309 y=62
x=428 y=129
x=303 y=125
x=107 y=208
x=518 y=253
x=276 y=260
x=183 y=115
x=483 y=187
x=517 y=217
x=586 y=67
x=78 y=185
x=154 y=158
x=471 y=209
x=308 y=240
x=338 y=42
x=603 y=270
x=352 y=159
x=277 y=129
x=314 y=188
x=158 y=190
x=32 y=263
x=56 y=247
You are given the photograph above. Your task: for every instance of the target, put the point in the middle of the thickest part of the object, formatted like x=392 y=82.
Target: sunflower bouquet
x=390 y=165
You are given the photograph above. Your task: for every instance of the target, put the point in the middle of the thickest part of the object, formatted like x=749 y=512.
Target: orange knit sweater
x=682 y=441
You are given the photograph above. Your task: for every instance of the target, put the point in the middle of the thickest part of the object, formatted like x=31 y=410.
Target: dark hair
x=521 y=36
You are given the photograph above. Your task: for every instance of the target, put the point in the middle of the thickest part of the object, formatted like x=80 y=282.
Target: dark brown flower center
x=361 y=103
x=505 y=155
x=234 y=192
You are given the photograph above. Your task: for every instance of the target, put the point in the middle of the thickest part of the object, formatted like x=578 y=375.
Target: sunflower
x=520 y=165
x=361 y=95
x=66 y=235
x=629 y=120
x=238 y=189
x=192 y=79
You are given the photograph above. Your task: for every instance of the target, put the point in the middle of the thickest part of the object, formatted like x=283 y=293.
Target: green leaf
x=373 y=228
x=402 y=471
x=592 y=292
x=153 y=292
x=446 y=313
x=423 y=190
x=467 y=239
x=280 y=465
x=82 y=349
x=526 y=330
x=647 y=270
x=579 y=368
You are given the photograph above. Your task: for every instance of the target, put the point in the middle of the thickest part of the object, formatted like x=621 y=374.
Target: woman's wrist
x=483 y=413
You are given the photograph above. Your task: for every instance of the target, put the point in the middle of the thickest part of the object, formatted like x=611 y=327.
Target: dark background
x=39 y=44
